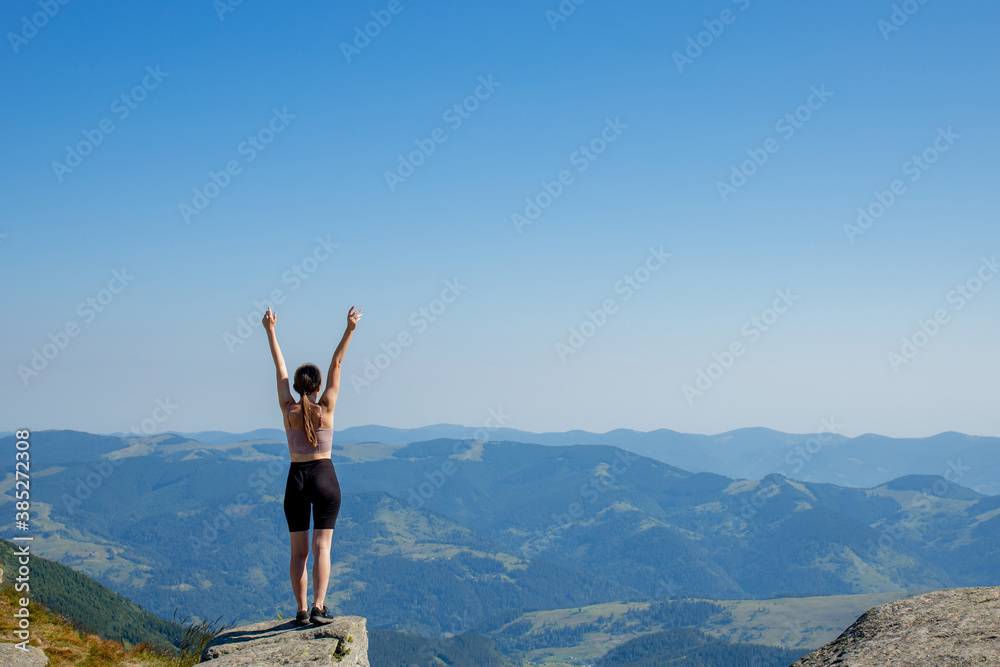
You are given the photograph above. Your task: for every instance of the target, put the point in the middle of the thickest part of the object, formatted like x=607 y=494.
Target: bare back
x=293 y=417
x=321 y=417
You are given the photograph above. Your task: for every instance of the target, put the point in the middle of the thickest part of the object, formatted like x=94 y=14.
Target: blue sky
x=198 y=88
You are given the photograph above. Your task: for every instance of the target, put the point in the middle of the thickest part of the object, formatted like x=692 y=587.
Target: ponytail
x=307 y=381
x=307 y=420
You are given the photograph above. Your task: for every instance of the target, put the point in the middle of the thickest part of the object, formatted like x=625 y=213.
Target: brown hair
x=308 y=380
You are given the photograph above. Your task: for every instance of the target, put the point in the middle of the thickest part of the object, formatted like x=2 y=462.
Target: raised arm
x=329 y=398
x=284 y=392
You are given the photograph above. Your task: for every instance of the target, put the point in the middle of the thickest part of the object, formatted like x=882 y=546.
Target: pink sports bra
x=298 y=442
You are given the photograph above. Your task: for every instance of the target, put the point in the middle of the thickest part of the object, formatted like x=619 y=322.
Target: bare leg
x=297 y=567
x=321 y=541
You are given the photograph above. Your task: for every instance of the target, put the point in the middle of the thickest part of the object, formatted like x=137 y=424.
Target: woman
x=312 y=479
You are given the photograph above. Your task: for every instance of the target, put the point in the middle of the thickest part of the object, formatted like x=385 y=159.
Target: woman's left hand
x=352 y=318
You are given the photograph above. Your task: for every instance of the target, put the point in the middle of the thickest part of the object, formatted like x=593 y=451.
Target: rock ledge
x=11 y=656
x=954 y=627
x=343 y=643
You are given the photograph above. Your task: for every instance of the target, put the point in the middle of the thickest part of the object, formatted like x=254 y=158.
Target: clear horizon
x=700 y=217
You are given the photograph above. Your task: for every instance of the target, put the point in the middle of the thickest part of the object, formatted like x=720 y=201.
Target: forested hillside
x=90 y=606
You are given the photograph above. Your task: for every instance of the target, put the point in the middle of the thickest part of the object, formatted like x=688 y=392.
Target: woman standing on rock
x=312 y=480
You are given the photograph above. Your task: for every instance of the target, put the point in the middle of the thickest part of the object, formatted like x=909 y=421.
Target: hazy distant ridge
x=747 y=453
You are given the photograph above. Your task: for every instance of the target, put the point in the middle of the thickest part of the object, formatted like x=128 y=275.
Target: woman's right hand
x=270 y=318
x=352 y=318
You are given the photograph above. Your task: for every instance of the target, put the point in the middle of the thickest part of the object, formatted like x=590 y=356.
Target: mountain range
x=747 y=453
x=460 y=536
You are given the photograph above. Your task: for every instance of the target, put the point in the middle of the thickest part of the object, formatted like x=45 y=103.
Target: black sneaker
x=302 y=618
x=321 y=615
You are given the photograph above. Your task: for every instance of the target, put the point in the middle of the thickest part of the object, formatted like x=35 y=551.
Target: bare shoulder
x=327 y=420
x=285 y=408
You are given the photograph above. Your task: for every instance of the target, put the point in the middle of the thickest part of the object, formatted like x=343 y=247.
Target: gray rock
x=343 y=642
x=11 y=656
x=954 y=627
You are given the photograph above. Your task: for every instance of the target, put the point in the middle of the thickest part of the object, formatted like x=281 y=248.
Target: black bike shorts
x=312 y=483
